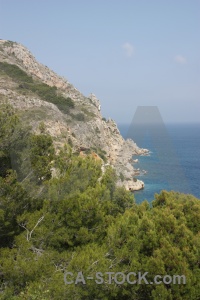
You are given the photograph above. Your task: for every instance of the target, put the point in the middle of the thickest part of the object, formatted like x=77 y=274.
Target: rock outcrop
x=84 y=126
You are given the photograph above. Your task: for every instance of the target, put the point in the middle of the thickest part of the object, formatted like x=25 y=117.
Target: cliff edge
x=41 y=96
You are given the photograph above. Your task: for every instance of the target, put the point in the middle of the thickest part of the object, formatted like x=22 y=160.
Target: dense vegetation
x=75 y=222
x=46 y=92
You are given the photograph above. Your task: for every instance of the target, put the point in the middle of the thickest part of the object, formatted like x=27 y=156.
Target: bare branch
x=29 y=233
x=38 y=222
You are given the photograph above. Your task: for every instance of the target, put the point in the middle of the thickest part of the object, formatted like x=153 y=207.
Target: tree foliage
x=79 y=220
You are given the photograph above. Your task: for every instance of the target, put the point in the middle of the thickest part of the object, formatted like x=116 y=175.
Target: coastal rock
x=84 y=126
x=134 y=185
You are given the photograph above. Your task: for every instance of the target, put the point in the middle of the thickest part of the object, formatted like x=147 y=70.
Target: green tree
x=8 y=123
x=41 y=156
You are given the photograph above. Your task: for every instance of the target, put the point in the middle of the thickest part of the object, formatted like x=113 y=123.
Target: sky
x=128 y=53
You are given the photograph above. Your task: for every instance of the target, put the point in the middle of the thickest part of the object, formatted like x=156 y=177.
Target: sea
x=173 y=162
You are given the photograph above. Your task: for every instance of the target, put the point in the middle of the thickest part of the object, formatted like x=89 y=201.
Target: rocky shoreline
x=91 y=132
x=131 y=182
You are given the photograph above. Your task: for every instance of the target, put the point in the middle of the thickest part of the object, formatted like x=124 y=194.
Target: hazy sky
x=128 y=53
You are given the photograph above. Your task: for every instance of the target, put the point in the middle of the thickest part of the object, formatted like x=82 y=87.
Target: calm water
x=174 y=161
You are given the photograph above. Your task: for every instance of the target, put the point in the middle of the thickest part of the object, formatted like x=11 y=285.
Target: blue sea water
x=174 y=161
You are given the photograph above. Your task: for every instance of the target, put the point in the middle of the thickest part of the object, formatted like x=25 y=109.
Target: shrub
x=15 y=72
x=42 y=127
x=97 y=130
x=70 y=142
x=44 y=91
x=49 y=94
x=121 y=176
x=101 y=153
x=79 y=117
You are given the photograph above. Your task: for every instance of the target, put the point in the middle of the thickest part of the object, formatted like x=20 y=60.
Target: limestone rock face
x=90 y=131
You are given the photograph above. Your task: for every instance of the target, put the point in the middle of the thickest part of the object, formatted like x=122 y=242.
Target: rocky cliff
x=81 y=124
